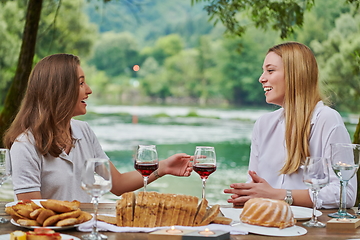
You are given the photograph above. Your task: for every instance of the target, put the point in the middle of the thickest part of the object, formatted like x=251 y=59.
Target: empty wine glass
x=96 y=180
x=146 y=161
x=345 y=159
x=204 y=163
x=5 y=171
x=315 y=176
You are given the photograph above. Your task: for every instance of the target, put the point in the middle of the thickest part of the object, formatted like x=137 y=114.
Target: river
x=175 y=130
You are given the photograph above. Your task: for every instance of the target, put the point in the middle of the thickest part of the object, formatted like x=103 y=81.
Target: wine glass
x=96 y=180
x=204 y=163
x=5 y=171
x=345 y=159
x=146 y=161
x=315 y=176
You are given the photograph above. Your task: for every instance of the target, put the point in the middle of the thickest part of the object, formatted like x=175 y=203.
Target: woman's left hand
x=242 y=192
x=179 y=164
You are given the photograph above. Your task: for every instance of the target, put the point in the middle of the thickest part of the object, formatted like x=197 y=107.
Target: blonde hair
x=301 y=96
x=48 y=104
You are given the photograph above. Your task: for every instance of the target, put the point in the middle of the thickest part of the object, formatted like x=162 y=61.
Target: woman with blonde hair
x=303 y=126
x=48 y=148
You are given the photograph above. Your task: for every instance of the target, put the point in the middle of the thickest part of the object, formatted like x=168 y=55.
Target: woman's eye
x=270 y=71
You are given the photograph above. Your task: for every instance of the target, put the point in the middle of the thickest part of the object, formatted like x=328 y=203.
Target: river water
x=121 y=128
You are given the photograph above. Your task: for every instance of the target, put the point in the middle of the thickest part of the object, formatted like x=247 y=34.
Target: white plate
x=63 y=236
x=300 y=213
x=50 y=227
x=273 y=231
x=37 y=201
x=303 y=213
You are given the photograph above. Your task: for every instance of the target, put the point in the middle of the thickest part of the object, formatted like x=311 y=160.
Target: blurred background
x=162 y=73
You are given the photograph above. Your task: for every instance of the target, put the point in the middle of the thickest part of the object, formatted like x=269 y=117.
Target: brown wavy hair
x=48 y=104
x=302 y=93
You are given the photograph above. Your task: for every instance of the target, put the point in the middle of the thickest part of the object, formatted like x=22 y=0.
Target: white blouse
x=268 y=153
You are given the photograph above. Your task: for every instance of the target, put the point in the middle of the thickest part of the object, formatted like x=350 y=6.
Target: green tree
x=60 y=30
x=165 y=47
x=283 y=16
x=153 y=80
x=337 y=60
x=10 y=35
x=65 y=29
x=115 y=53
x=27 y=51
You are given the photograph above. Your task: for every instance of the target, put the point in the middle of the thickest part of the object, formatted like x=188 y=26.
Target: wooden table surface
x=109 y=208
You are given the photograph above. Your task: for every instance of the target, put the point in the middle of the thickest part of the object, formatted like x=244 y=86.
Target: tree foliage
x=281 y=16
x=52 y=23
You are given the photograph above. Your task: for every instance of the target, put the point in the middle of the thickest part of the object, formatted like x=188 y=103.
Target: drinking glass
x=146 y=161
x=96 y=180
x=345 y=162
x=204 y=163
x=315 y=176
x=5 y=171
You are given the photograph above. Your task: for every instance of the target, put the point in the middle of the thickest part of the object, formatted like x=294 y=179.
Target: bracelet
x=156 y=174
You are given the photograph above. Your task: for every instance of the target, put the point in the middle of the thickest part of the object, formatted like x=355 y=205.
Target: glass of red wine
x=204 y=163
x=146 y=161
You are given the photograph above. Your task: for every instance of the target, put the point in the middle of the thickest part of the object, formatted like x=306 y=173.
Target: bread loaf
x=152 y=209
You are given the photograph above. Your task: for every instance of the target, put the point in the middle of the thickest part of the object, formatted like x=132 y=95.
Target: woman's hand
x=241 y=192
x=178 y=165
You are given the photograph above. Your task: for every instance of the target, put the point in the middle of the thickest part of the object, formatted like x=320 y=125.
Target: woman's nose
x=262 y=79
x=88 y=90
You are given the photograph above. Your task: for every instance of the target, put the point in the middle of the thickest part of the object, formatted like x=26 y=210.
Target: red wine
x=146 y=168
x=204 y=170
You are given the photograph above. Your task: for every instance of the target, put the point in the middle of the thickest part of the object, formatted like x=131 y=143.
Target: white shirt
x=55 y=178
x=268 y=152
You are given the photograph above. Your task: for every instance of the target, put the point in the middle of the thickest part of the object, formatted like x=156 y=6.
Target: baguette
x=192 y=211
x=200 y=213
x=45 y=214
x=160 y=210
x=60 y=206
x=120 y=205
x=107 y=219
x=178 y=201
x=128 y=210
x=210 y=215
x=139 y=213
x=153 y=200
x=67 y=222
x=168 y=209
x=222 y=220
x=27 y=222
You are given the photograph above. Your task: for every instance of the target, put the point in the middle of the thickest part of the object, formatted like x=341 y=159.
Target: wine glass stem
x=145 y=183
x=203 y=187
x=342 y=209
x=315 y=197
x=95 y=201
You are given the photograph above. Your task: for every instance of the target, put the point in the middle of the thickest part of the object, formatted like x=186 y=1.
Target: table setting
x=311 y=223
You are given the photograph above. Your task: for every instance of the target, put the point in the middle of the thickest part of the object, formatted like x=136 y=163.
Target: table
x=109 y=208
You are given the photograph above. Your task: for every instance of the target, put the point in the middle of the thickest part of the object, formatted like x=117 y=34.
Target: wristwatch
x=288 y=199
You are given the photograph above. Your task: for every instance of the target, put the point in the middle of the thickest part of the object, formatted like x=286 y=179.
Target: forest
x=183 y=58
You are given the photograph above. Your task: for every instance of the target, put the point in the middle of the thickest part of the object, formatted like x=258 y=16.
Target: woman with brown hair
x=302 y=127
x=48 y=148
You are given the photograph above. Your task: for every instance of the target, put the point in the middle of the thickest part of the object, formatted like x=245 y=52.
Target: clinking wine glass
x=315 y=176
x=345 y=158
x=146 y=161
x=204 y=163
x=96 y=180
x=5 y=171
